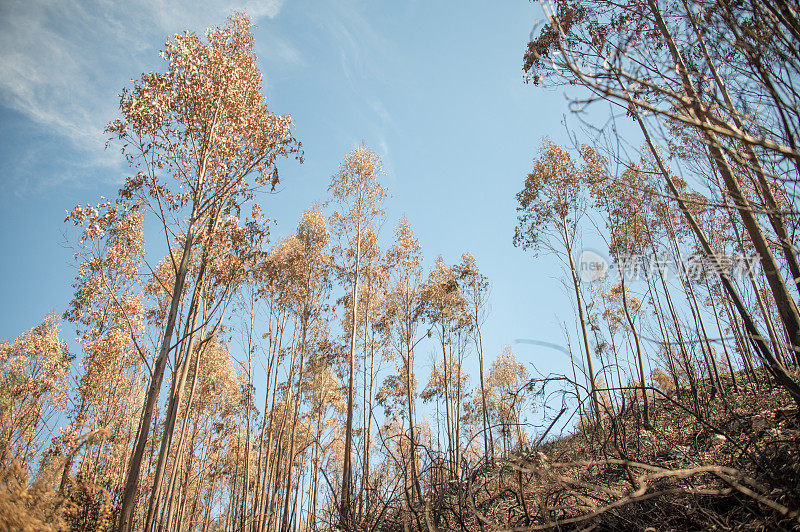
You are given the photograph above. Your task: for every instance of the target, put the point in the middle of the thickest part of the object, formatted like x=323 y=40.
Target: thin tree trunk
x=344 y=500
x=639 y=358
x=179 y=380
x=773 y=209
x=754 y=336
x=304 y=326
x=787 y=307
x=582 y=319
x=129 y=496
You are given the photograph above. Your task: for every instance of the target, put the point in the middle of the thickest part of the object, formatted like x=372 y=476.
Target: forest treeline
x=228 y=382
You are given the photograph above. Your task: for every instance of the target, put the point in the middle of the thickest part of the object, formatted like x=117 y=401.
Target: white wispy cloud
x=384 y=147
x=363 y=51
x=366 y=59
x=280 y=50
x=381 y=111
x=62 y=64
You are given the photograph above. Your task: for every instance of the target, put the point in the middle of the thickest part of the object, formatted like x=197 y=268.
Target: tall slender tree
x=201 y=139
x=551 y=204
x=357 y=196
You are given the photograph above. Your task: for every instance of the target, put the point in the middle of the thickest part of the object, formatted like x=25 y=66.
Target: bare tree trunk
x=369 y=408
x=711 y=363
x=179 y=380
x=487 y=434
x=757 y=340
x=344 y=500
x=304 y=325
x=667 y=343
x=582 y=319
x=129 y=496
x=773 y=209
x=786 y=304
x=269 y=461
x=639 y=358
x=184 y=426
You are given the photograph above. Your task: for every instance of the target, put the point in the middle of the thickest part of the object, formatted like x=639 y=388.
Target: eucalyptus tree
x=405 y=312
x=446 y=308
x=34 y=382
x=551 y=204
x=312 y=272
x=626 y=200
x=507 y=377
x=109 y=313
x=373 y=301
x=201 y=140
x=653 y=60
x=357 y=196
x=475 y=289
x=228 y=258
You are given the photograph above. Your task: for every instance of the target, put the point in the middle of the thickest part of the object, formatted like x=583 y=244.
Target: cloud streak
x=64 y=63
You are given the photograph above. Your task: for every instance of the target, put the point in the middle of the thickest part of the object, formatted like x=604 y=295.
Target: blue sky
x=435 y=88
